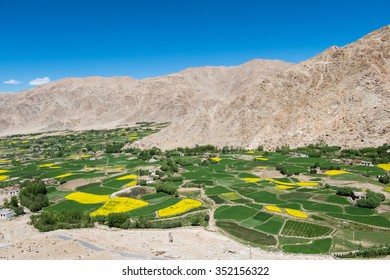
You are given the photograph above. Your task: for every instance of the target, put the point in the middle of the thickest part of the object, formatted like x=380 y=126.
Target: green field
x=303 y=229
x=236 y=213
x=337 y=200
x=272 y=226
x=369 y=220
x=245 y=234
x=320 y=246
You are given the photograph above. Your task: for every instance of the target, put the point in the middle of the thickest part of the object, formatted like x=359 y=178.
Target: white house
x=149 y=180
x=6 y=213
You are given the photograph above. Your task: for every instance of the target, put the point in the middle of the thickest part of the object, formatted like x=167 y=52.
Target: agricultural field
x=265 y=199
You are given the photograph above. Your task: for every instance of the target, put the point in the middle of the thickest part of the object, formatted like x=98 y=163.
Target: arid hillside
x=341 y=96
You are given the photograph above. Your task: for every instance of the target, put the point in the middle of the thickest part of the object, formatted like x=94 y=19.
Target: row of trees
x=121 y=220
x=48 y=221
x=375 y=154
x=373 y=252
x=282 y=169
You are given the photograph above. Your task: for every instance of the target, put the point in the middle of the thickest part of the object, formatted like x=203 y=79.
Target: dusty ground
x=73 y=184
x=21 y=241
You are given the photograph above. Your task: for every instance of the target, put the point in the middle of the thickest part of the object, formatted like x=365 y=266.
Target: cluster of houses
x=297 y=155
x=7 y=193
x=349 y=161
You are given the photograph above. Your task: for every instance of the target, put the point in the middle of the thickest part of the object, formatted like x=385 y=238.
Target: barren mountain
x=97 y=102
x=341 y=96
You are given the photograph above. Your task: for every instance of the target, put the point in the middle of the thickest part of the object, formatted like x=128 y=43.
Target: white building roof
x=6 y=211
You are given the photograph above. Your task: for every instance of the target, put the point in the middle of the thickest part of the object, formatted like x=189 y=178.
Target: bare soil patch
x=73 y=184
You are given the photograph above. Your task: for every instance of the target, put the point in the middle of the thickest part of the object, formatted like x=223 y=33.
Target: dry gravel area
x=20 y=241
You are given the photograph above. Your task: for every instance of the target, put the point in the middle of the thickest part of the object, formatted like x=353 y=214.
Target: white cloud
x=40 y=81
x=12 y=82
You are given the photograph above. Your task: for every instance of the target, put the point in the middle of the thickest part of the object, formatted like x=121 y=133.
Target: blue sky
x=50 y=40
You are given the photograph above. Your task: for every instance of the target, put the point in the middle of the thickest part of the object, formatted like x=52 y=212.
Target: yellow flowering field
x=250 y=152
x=336 y=172
x=262 y=158
x=251 y=180
x=133 y=183
x=3 y=177
x=307 y=184
x=231 y=196
x=64 y=175
x=87 y=198
x=180 y=207
x=282 y=183
x=46 y=165
x=283 y=187
x=216 y=159
x=387 y=189
x=4 y=161
x=273 y=208
x=85 y=156
x=3 y=171
x=296 y=213
x=119 y=205
x=127 y=177
x=385 y=166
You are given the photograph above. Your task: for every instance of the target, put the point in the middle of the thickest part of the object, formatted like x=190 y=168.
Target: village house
x=366 y=163
x=349 y=161
x=6 y=213
x=358 y=195
x=9 y=192
x=297 y=155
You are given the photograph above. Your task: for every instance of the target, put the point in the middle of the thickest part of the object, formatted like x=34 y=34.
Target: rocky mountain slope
x=341 y=96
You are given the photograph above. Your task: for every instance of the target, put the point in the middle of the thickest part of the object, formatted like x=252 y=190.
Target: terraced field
x=94 y=173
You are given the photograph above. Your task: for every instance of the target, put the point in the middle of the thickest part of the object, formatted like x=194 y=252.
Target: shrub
x=344 y=191
x=373 y=200
x=116 y=219
x=166 y=188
